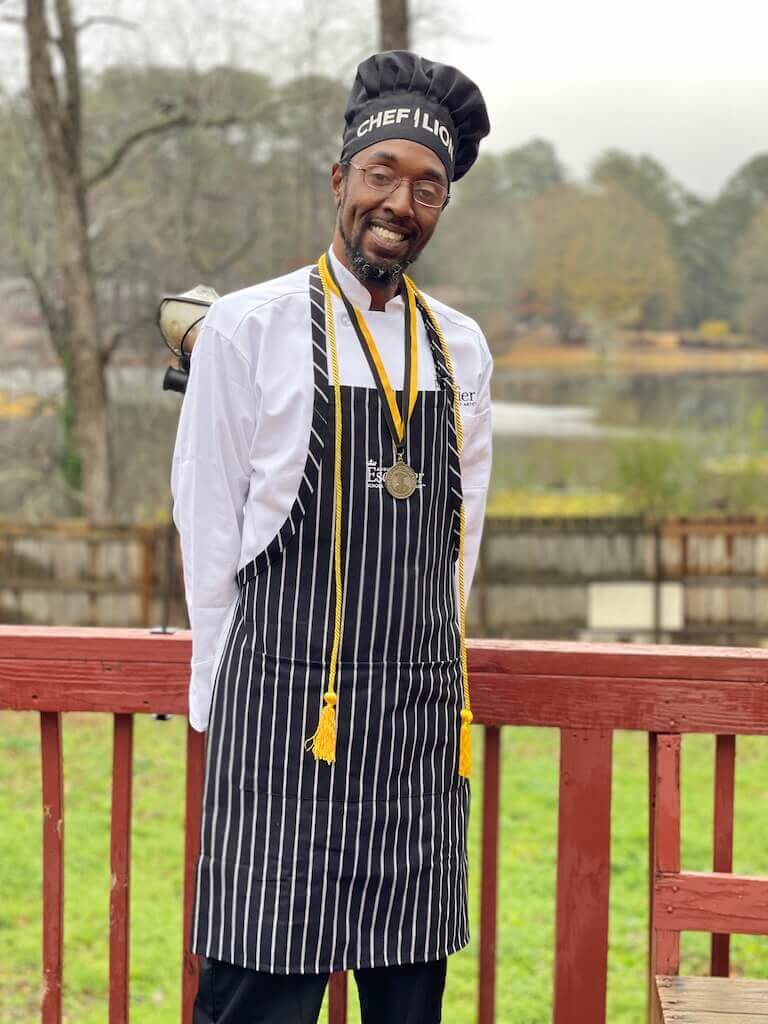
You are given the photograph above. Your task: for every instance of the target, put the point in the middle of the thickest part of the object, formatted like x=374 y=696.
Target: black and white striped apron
x=311 y=867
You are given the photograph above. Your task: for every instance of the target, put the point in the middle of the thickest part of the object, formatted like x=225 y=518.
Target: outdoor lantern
x=179 y=318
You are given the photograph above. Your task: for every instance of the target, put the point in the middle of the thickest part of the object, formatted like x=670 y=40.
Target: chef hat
x=400 y=95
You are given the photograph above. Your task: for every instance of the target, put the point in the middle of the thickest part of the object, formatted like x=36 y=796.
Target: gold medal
x=400 y=480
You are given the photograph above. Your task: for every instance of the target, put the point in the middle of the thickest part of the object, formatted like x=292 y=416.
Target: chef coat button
x=345 y=321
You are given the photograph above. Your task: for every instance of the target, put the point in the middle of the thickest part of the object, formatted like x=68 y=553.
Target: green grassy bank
x=528 y=849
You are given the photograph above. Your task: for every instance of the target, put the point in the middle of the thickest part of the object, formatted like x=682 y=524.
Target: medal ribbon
x=397 y=420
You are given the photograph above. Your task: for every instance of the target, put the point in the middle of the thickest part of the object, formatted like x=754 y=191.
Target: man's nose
x=400 y=202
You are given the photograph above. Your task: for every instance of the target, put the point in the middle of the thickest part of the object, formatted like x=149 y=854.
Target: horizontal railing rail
x=587 y=691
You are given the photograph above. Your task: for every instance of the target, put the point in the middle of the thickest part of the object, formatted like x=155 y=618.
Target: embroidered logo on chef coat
x=376 y=473
x=467 y=399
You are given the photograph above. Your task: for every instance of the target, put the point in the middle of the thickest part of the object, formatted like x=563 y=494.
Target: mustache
x=389 y=222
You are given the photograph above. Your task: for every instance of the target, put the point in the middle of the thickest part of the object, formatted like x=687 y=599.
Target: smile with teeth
x=386 y=234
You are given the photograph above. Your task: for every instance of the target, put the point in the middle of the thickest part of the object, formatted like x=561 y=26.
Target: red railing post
x=653 y=748
x=583 y=876
x=665 y=948
x=194 y=800
x=725 y=777
x=120 y=857
x=53 y=864
x=489 y=875
x=337 y=998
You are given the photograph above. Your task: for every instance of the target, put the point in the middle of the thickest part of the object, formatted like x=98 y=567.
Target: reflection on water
x=653 y=401
x=527 y=420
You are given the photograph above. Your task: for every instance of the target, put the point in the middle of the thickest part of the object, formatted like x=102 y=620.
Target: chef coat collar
x=356 y=291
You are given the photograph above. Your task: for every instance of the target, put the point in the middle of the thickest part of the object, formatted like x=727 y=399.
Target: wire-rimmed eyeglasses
x=383 y=179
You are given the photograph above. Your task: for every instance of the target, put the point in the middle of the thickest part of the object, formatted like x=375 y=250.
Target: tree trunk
x=393 y=24
x=88 y=382
x=59 y=120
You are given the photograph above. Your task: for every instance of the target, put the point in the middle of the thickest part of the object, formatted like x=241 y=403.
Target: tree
x=482 y=248
x=713 y=238
x=752 y=277
x=743 y=195
x=228 y=206
x=649 y=183
x=598 y=253
x=693 y=235
x=58 y=110
x=513 y=176
x=190 y=205
x=393 y=24
x=79 y=157
x=477 y=260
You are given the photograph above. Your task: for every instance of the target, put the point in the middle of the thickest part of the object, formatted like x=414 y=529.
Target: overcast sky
x=683 y=80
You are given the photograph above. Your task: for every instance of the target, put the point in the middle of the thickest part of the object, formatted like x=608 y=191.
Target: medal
x=400 y=480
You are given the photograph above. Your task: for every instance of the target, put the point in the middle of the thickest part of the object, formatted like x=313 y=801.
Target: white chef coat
x=243 y=433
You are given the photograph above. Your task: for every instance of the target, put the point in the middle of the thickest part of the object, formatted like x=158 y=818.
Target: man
x=329 y=477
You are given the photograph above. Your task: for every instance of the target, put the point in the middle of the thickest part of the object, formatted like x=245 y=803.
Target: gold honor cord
x=465 y=747
x=323 y=743
x=397 y=421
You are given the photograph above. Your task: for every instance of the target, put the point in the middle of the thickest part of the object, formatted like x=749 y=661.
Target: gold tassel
x=324 y=740
x=465 y=744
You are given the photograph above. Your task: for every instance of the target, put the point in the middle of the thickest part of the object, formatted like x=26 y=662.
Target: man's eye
x=426 y=192
x=377 y=177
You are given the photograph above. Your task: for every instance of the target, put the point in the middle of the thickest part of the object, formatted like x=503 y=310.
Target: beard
x=368 y=271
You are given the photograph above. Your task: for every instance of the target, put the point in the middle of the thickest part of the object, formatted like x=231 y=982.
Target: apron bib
x=311 y=867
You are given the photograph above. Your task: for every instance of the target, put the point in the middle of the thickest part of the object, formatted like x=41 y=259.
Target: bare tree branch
x=171 y=124
x=78 y=27
x=53 y=317
x=105 y=19
x=212 y=268
x=117 y=333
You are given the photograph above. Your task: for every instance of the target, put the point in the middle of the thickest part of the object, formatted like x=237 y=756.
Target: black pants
x=403 y=994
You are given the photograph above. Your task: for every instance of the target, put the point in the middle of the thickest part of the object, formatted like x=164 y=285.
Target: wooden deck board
x=713 y=1000
x=704 y=1017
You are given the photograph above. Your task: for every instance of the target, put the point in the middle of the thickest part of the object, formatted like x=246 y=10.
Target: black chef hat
x=400 y=95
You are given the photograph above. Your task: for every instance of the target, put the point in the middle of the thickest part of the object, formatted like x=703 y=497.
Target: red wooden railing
x=718 y=902
x=585 y=690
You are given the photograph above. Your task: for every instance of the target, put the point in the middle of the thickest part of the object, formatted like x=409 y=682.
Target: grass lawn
x=528 y=847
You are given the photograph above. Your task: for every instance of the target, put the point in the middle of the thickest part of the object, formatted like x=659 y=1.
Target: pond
x=561 y=429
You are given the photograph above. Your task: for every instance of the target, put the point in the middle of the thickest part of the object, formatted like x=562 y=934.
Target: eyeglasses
x=383 y=179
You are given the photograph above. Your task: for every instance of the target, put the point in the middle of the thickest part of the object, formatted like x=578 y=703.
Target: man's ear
x=337 y=183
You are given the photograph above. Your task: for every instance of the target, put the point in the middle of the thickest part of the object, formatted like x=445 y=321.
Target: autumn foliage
x=599 y=252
